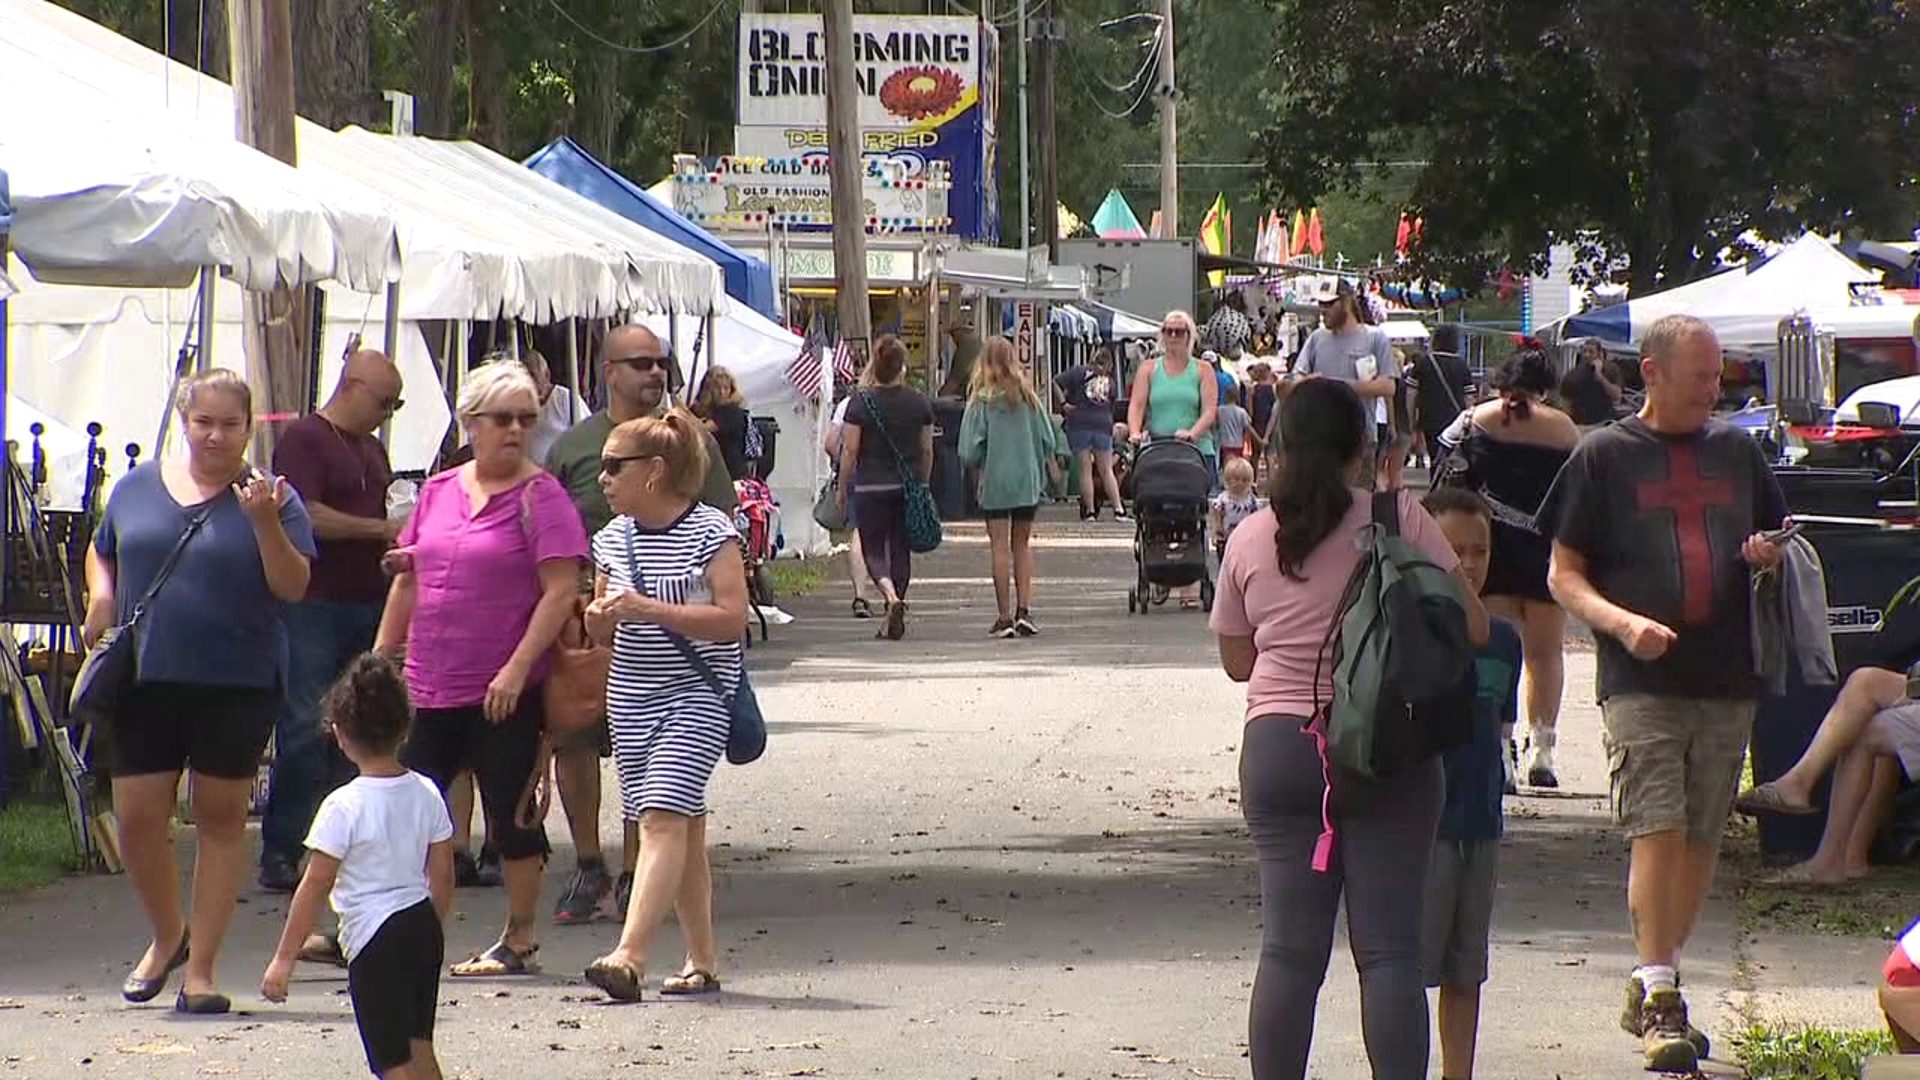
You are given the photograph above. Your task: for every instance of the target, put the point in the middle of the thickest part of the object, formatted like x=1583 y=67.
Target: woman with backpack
x=1280 y=594
x=1509 y=450
x=887 y=442
x=1009 y=437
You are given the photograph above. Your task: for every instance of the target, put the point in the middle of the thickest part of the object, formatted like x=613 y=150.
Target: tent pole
x=203 y=359
x=573 y=362
x=673 y=350
x=390 y=342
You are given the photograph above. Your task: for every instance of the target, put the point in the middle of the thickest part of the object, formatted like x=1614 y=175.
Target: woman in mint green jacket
x=1008 y=436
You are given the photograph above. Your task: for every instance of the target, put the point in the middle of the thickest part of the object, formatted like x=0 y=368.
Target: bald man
x=636 y=366
x=340 y=467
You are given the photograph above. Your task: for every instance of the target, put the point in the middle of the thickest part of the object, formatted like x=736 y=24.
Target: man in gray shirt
x=1345 y=347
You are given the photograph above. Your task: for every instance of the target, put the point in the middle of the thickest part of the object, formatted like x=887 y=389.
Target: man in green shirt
x=635 y=365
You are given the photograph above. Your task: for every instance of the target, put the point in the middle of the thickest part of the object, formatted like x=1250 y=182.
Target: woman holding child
x=1280 y=587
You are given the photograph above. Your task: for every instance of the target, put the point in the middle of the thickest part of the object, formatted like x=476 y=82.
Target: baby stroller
x=1170 y=485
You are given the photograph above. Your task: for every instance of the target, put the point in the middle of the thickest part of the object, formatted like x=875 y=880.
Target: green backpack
x=1403 y=680
x=923 y=517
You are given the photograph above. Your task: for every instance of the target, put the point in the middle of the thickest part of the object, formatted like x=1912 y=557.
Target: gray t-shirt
x=214 y=622
x=1355 y=354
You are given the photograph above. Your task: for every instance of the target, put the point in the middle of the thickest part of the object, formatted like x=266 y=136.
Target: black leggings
x=443 y=743
x=1383 y=839
x=881 y=518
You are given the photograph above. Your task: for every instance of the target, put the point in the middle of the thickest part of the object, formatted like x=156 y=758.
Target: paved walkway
x=960 y=858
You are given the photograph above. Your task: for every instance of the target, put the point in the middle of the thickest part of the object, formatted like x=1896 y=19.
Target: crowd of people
x=398 y=662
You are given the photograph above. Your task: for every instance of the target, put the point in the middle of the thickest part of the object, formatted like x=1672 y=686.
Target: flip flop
x=498 y=960
x=1766 y=799
x=690 y=983
x=617 y=980
x=1799 y=877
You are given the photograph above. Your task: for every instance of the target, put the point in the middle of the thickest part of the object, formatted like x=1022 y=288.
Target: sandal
x=1799 y=877
x=1766 y=799
x=862 y=609
x=322 y=949
x=689 y=983
x=499 y=959
x=617 y=980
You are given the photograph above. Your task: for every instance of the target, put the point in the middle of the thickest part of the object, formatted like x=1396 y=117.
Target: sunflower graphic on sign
x=920 y=91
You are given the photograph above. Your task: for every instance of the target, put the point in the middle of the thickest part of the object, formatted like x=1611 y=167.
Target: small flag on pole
x=843 y=369
x=804 y=372
x=1315 y=241
x=1299 y=234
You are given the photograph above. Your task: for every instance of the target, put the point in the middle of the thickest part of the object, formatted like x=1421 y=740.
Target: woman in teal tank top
x=1176 y=397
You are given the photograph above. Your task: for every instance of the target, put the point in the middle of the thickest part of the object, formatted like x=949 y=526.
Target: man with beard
x=1345 y=347
x=635 y=365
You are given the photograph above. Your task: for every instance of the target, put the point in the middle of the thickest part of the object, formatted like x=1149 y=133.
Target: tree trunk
x=433 y=111
x=594 y=87
x=198 y=33
x=333 y=58
x=487 y=76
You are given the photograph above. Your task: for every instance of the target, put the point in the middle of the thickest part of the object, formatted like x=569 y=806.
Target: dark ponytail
x=1526 y=377
x=1321 y=436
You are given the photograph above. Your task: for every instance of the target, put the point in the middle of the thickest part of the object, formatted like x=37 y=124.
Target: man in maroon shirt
x=337 y=463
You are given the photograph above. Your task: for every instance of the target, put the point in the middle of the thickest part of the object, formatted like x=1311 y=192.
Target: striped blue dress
x=669 y=727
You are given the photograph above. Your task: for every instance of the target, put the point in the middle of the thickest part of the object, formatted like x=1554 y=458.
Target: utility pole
x=846 y=171
x=278 y=368
x=1048 y=32
x=1169 y=132
x=1026 y=141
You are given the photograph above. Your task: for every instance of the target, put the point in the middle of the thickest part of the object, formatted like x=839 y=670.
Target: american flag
x=843 y=367
x=804 y=372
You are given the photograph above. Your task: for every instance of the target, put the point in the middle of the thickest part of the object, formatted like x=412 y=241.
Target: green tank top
x=1173 y=403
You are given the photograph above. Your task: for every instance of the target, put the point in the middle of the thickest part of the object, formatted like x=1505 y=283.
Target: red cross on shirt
x=1690 y=496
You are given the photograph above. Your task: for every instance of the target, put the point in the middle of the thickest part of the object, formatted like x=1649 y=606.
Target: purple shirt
x=344 y=473
x=477 y=581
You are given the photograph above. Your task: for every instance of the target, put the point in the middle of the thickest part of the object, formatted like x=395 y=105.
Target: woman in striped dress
x=670 y=586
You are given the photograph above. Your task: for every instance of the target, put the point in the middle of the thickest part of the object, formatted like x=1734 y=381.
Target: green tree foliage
x=1657 y=133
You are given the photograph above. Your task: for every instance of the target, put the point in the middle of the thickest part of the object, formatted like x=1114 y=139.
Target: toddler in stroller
x=1171 y=482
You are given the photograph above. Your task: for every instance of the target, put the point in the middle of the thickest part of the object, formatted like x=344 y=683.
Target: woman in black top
x=1591 y=393
x=725 y=411
x=889 y=426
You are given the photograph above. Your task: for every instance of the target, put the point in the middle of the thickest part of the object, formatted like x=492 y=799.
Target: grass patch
x=36 y=846
x=1798 y=1052
x=797 y=577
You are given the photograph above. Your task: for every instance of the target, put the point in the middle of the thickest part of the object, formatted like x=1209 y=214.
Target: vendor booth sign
x=741 y=192
x=926 y=88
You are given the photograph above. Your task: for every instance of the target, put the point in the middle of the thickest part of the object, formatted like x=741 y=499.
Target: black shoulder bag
x=112 y=667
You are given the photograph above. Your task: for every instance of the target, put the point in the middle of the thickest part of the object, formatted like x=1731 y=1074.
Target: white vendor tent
x=757 y=351
x=65 y=448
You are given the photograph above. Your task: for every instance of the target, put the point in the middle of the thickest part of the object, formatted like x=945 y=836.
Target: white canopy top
x=473 y=249
x=108 y=191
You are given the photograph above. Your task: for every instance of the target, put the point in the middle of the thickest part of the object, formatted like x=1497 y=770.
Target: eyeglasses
x=1174 y=331
x=389 y=403
x=612 y=464
x=642 y=363
x=511 y=419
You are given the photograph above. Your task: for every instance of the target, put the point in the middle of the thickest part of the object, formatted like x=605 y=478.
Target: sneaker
x=622 y=895
x=488 y=873
x=466 y=870
x=1633 y=1015
x=1023 y=624
x=585 y=897
x=1664 y=1038
x=1120 y=514
x=279 y=873
x=1087 y=513
x=1540 y=770
x=1002 y=628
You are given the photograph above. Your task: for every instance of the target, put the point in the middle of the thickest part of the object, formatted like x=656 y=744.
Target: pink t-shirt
x=1288 y=619
x=477 y=581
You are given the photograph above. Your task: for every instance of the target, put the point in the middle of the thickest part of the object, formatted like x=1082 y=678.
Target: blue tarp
x=749 y=280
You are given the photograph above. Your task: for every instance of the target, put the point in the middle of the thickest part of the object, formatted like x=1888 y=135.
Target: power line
x=640 y=49
x=1140 y=78
x=1262 y=164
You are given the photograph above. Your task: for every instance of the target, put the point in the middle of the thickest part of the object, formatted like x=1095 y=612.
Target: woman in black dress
x=1513 y=447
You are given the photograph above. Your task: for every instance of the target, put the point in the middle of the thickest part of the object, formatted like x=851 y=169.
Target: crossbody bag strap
x=173 y=559
x=880 y=421
x=679 y=640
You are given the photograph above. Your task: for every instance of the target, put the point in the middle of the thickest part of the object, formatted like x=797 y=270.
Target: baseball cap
x=1328 y=289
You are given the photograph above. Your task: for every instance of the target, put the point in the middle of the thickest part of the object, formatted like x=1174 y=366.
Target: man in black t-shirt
x=1442 y=389
x=1656 y=523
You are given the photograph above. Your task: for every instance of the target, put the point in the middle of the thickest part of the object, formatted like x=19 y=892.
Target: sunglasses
x=1174 y=331
x=643 y=363
x=389 y=403
x=612 y=464
x=512 y=419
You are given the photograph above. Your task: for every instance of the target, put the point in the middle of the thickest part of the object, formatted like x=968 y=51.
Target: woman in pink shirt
x=1280 y=586
x=486 y=573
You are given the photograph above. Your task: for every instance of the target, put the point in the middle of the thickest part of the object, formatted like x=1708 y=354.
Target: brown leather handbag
x=574 y=697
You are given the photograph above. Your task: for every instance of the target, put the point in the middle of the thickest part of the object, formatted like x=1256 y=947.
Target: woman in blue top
x=1177 y=397
x=212 y=659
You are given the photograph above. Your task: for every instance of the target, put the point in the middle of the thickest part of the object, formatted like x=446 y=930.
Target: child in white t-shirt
x=1235 y=504
x=382 y=852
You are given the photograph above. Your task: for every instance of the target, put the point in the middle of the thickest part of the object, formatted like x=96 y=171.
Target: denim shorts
x=1082 y=440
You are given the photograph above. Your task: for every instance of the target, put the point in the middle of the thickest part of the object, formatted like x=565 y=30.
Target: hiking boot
x=488 y=873
x=1632 y=1018
x=586 y=896
x=1023 y=624
x=1664 y=1038
x=1002 y=628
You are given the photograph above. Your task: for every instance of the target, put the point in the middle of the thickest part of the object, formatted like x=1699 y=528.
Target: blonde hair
x=717 y=389
x=674 y=438
x=998 y=376
x=219 y=380
x=1193 y=328
x=491 y=381
x=1236 y=468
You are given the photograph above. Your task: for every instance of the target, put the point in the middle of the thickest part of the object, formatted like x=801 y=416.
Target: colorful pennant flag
x=1299 y=235
x=1260 y=240
x=1216 y=234
x=1315 y=241
x=1402 y=233
x=1276 y=250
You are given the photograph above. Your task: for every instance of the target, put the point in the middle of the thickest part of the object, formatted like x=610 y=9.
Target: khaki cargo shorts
x=1673 y=763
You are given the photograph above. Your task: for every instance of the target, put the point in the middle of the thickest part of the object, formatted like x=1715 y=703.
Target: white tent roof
x=1808 y=274
x=105 y=190
x=473 y=249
